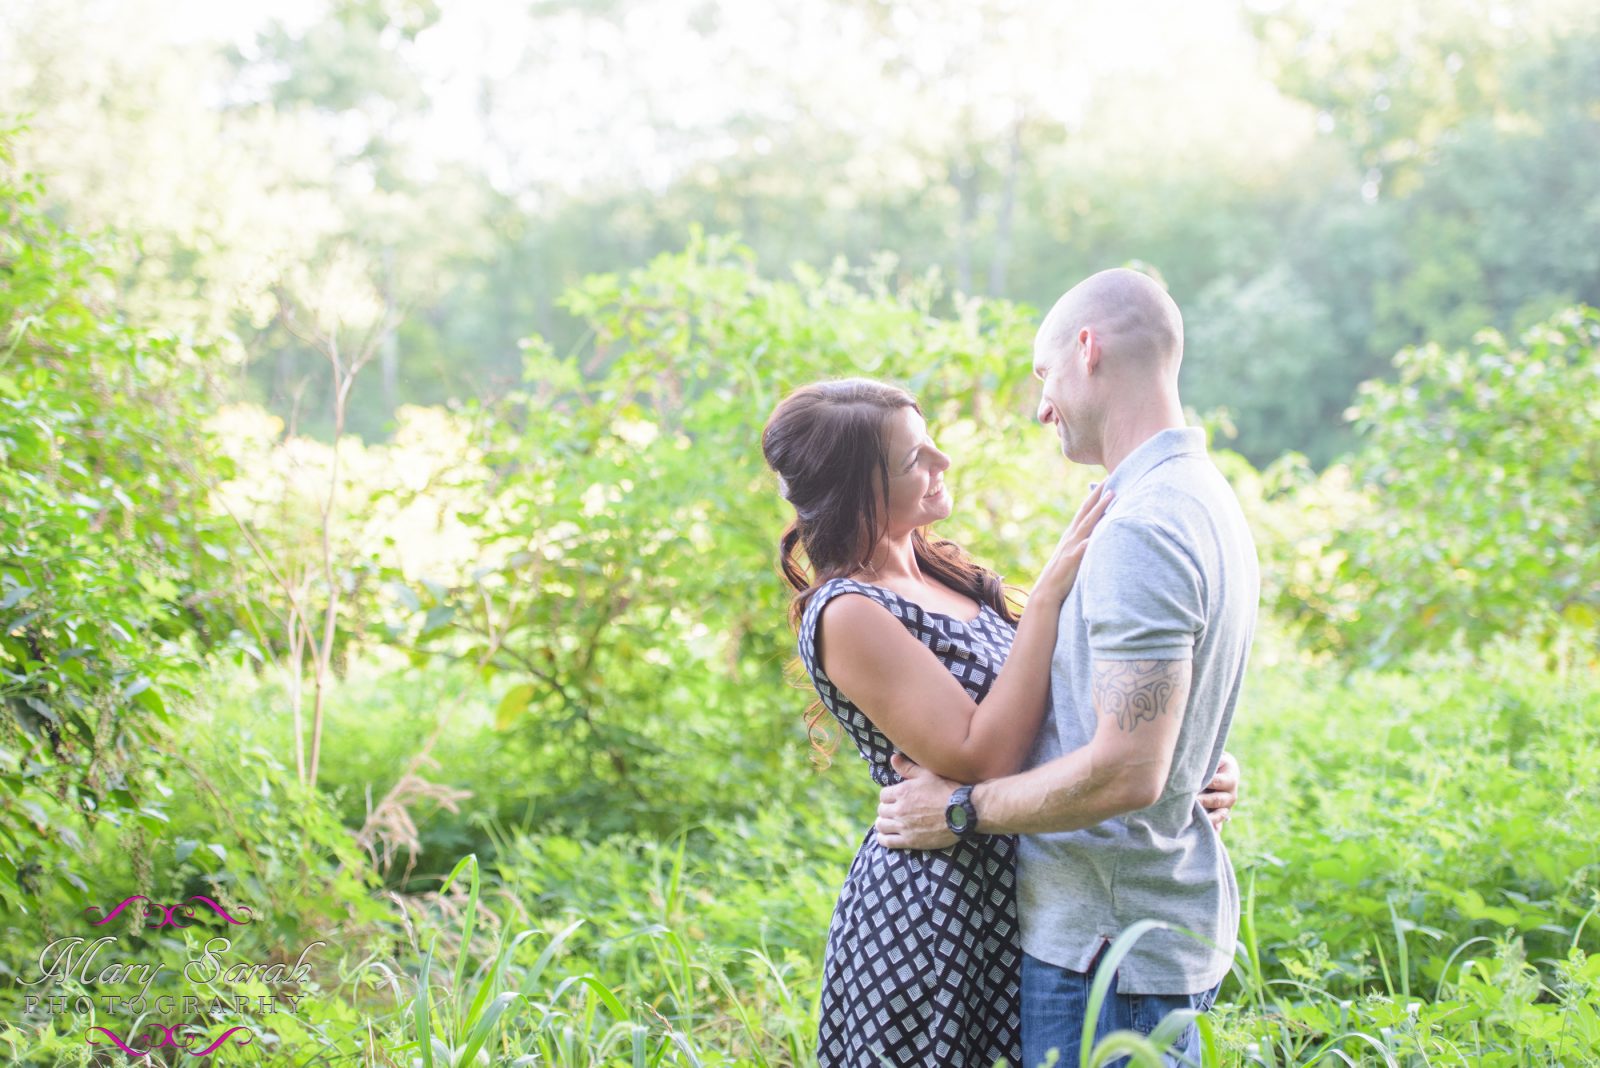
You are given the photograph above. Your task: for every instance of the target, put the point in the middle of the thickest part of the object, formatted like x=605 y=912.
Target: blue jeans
x=1055 y=1004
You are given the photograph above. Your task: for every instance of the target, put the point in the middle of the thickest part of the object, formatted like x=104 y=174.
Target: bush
x=113 y=568
x=627 y=592
x=1422 y=838
x=1481 y=466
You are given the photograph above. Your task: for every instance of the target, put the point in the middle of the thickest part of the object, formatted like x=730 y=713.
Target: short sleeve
x=1142 y=594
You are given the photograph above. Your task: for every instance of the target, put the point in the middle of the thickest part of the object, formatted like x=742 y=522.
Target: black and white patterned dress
x=924 y=961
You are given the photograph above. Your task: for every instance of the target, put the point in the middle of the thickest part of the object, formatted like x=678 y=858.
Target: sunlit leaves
x=112 y=564
x=1479 y=465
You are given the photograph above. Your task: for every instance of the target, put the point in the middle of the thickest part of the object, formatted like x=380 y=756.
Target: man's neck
x=1121 y=440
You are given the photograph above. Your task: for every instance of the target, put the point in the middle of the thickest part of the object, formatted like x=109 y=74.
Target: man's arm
x=1143 y=606
x=1139 y=708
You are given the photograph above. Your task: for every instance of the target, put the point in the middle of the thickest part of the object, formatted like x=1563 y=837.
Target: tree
x=627 y=589
x=1483 y=462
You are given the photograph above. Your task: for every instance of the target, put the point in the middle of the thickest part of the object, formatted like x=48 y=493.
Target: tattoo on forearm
x=1133 y=690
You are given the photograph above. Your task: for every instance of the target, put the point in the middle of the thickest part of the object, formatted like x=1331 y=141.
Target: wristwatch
x=960 y=815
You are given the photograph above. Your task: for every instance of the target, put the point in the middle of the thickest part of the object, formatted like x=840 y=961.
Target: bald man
x=1147 y=668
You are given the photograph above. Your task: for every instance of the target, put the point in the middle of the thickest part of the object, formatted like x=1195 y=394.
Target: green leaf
x=513 y=705
x=437 y=619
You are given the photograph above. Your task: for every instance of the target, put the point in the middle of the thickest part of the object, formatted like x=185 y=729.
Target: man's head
x=1108 y=356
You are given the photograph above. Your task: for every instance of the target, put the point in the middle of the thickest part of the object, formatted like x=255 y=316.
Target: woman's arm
x=915 y=700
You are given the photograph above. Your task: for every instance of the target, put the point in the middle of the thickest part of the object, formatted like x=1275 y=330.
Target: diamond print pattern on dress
x=924 y=962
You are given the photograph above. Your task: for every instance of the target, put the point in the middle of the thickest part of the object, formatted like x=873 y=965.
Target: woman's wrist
x=1048 y=600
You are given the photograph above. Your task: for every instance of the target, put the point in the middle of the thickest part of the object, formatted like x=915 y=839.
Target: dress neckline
x=926 y=611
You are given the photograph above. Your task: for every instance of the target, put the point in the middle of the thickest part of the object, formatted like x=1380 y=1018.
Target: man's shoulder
x=1193 y=472
x=1159 y=506
x=1184 y=508
x=1179 y=491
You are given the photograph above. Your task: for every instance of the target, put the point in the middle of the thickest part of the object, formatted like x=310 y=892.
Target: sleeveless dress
x=924 y=958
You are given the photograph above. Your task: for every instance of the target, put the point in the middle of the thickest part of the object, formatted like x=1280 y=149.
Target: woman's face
x=917 y=493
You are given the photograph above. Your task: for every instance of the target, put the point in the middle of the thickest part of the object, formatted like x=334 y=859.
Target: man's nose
x=1047 y=412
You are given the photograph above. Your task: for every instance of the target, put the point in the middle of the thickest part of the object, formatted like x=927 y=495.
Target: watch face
x=957 y=818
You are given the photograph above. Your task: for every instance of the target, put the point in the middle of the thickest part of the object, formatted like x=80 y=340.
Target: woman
x=904 y=639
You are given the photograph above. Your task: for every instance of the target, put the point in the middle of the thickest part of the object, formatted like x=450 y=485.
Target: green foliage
x=1267 y=350
x=626 y=589
x=1417 y=854
x=1421 y=888
x=1321 y=185
x=1413 y=845
x=244 y=832
x=111 y=559
x=638 y=951
x=1481 y=463
x=1395 y=78
x=658 y=864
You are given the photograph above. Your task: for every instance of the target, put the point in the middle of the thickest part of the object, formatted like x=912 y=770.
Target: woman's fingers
x=1069 y=550
x=1089 y=515
x=1100 y=505
x=1088 y=502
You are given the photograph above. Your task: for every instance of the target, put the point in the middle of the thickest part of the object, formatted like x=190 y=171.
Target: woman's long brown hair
x=824 y=441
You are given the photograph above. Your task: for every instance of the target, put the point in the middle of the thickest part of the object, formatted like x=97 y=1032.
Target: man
x=1147 y=668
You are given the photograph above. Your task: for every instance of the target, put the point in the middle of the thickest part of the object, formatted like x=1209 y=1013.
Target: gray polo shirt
x=1170 y=574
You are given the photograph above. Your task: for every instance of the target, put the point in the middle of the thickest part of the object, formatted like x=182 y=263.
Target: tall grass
x=1416 y=853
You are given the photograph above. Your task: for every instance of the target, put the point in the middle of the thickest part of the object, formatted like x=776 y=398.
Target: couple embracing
x=1046 y=782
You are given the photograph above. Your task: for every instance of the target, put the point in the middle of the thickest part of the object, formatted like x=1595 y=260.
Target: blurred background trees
x=1319 y=185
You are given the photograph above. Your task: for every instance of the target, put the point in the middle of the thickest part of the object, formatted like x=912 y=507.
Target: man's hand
x=1222 y=792
x=911 y=813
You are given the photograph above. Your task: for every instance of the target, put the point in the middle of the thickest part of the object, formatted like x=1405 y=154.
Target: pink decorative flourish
x=167 y=1040
x=182 y=910
x=220 y=911
x=120 y=906
x=124 y=1047
x=245 y=1041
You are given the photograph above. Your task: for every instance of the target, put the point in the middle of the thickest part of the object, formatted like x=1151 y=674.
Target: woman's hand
x=1222 y=792
x=1055 y=581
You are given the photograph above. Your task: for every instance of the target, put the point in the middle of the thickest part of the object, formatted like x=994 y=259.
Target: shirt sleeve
x=1143 y=594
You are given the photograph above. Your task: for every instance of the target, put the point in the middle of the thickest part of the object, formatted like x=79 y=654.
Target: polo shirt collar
x=1157 y=449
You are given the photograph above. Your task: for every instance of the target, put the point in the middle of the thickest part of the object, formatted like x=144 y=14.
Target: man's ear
x=1089 y=349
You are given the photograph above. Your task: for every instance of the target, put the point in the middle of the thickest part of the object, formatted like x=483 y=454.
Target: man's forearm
x=1139 y=707
x=1067 y=794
